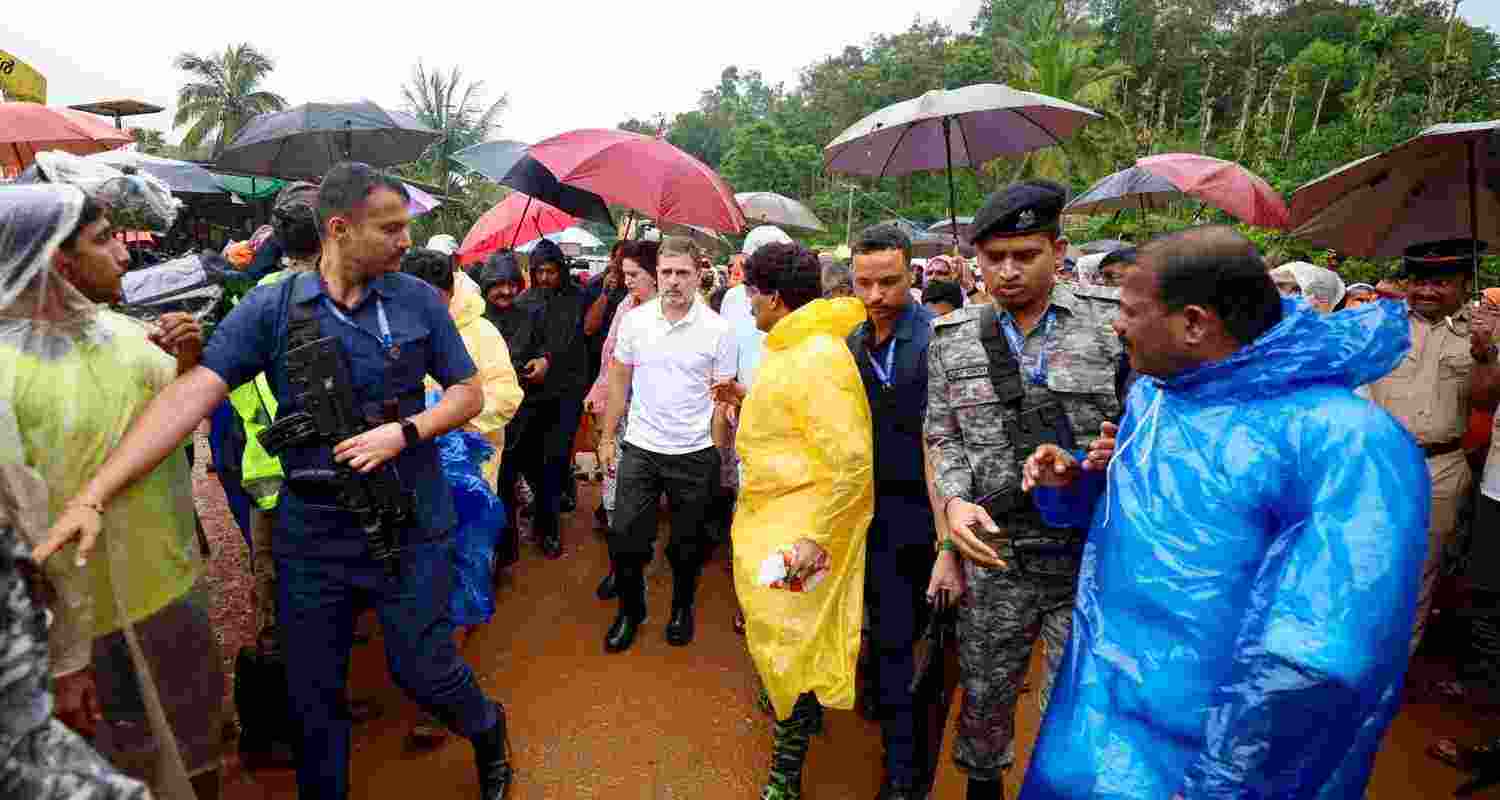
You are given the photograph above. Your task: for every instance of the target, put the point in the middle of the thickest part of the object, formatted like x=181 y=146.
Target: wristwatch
x=409 y=430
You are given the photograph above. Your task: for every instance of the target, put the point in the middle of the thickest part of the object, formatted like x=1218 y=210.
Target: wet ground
x=656 y=722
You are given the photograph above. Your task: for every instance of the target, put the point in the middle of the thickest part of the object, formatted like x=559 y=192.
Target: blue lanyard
x=885 y=374
x=1037 y=371
x=386 y=341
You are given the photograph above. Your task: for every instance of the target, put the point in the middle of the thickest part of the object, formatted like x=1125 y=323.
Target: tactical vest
x=1040 y=549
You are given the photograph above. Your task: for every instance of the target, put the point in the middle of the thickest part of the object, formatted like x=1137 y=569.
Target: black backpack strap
x=302 y=324
x=1005 y=367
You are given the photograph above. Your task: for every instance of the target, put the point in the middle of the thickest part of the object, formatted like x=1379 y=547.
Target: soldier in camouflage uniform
x=1036 y=366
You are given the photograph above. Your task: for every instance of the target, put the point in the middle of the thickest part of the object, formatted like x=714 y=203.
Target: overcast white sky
x=566 y=65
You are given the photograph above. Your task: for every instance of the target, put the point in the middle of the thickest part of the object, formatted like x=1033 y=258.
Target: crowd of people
x=1220 y=494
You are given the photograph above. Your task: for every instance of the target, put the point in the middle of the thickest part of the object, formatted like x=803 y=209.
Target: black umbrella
x=507 y=163
x=304 y=142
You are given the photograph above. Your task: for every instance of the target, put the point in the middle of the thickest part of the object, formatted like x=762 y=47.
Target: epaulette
x=957 y=317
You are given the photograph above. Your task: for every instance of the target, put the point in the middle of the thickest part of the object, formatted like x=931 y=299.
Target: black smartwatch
x=409 y=430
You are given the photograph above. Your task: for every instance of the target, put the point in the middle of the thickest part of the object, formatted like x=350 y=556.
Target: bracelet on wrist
x=947 y=546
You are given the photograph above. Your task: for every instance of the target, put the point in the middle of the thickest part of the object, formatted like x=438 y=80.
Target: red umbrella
x=29 y=128
x=515 y=220
x=1222 y=184
x=645 y=173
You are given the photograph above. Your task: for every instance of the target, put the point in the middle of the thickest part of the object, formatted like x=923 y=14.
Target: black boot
x=901 y=790
x=680 y=627
x=985 y=790
x=606 y=590
x=684 y=590
x=630 y=583
x=492 y=757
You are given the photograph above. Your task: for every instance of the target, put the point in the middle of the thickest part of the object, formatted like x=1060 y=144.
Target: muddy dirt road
x=657 y=722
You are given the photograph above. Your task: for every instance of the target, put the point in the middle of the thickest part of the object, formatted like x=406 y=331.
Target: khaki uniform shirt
x=1429 y=391
x=972 y=454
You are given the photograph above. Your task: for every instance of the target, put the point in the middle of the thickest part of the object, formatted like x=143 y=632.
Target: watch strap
x=409 y=430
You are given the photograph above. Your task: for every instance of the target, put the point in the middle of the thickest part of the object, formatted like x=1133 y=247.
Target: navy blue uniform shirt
x=899 y=410
x=251 y=340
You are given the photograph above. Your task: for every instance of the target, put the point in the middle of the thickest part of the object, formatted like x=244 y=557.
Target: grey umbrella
x=1132 y=188
x=957 y=127
x=770 y=208
x=304 y=142
x=1444 y=183
x=182 y=177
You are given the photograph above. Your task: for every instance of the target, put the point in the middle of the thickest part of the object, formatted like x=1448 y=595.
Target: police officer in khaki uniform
x=1450 y=368
x=1035 y=366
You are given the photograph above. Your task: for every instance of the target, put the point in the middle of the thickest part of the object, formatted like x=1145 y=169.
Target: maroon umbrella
x=516 y=219
x=1222 y=184
x=643 y=173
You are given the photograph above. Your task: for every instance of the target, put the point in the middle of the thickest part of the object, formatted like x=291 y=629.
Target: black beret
x=547 y=252
x=1019 y=209
x=1124 y=255
x=1443 y=257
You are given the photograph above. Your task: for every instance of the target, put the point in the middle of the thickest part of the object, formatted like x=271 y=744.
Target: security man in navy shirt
x=891 y=350
x=392 y=330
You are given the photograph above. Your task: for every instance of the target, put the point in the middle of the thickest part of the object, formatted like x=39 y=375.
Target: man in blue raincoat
x=1251 y=572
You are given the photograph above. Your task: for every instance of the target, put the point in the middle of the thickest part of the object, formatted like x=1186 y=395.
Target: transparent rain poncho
x=73 y=376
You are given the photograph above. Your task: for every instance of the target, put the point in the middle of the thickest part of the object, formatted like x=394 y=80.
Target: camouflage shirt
x=965 y=431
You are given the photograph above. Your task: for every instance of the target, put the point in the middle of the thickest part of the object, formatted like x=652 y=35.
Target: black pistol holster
x=319 y=378
x=1037 y=548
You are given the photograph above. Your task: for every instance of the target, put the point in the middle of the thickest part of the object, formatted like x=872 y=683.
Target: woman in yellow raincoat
x=806 y=501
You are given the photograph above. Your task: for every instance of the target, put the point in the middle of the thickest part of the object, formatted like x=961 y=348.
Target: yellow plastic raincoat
x=808 y=455
x=497 y=377
x=71 y=411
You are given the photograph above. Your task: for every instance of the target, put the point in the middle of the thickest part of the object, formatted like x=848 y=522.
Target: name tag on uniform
x=965 y=373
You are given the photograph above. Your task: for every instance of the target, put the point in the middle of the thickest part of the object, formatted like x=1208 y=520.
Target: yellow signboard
x=18 y=81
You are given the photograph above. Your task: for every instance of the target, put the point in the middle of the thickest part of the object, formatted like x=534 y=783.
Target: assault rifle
x=329 y=415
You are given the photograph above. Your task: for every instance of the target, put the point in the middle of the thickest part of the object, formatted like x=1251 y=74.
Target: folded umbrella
x=306 y=141
x=644 y=173
x=514 y=220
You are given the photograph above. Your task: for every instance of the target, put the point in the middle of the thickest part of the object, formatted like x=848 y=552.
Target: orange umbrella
x=29 y=128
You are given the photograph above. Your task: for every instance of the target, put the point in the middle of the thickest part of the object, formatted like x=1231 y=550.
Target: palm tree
x=223 y=94
x=149 y=141
x=1051 y=56
x=457 y=111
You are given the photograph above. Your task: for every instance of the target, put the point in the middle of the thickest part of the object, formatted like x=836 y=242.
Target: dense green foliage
x=1214 y=76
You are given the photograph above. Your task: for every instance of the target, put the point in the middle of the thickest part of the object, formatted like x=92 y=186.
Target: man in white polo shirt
x=669 y=352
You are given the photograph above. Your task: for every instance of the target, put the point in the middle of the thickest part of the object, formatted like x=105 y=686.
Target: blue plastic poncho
x=1250 y=578
x=481 y=523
